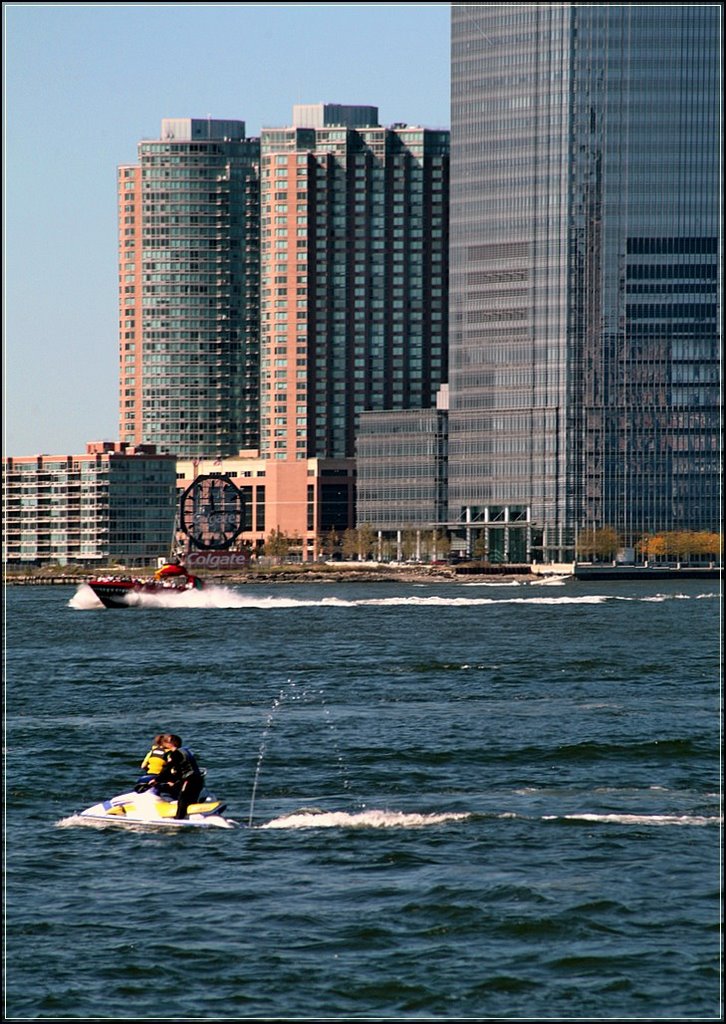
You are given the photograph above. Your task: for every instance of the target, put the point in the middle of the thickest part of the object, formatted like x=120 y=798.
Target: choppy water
x=466 y=801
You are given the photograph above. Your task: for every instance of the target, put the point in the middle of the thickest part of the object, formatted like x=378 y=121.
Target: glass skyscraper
x=401 y=469
x=585 y=255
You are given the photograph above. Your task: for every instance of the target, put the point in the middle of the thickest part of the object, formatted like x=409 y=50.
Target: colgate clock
x=211 y=512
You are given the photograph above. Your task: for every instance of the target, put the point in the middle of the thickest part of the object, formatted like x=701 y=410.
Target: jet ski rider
x=182 y=772
x=152 y=764
x=156 y=758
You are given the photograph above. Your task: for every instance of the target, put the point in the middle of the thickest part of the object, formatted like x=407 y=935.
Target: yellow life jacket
x=169 y=569
x=154 y=761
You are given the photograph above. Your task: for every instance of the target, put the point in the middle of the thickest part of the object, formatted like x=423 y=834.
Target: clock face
x=211 y=512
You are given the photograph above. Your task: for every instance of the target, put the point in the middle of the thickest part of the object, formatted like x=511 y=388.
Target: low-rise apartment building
x=116 y=502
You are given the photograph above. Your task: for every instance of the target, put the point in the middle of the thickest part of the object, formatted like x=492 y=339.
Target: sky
x=83 y=84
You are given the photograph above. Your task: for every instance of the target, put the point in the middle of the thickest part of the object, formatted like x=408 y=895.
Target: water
x=467 y=801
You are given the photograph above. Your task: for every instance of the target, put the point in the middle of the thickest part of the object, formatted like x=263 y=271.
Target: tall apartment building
x=354 y=276
x=585 y=241
x=188 y=290
x=115 y=501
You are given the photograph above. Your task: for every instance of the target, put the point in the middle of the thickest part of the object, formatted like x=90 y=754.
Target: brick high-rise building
x=354 y=275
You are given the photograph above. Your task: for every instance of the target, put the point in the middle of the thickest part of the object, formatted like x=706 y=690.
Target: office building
x=188 y=290
x=585 y=241
x=401 y=465
x=354 y=276
x=113 y=502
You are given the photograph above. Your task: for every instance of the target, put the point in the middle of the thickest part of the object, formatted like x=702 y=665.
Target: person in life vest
x=152 y=764
x=181 y=772
x=170 y=570
x=156 y=758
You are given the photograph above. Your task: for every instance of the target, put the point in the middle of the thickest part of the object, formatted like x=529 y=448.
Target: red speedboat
x=121 y=591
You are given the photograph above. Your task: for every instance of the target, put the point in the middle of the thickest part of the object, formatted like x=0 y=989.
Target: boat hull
x=122 y=593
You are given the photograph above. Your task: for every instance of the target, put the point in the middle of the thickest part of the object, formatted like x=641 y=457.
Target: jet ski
x=158 y=810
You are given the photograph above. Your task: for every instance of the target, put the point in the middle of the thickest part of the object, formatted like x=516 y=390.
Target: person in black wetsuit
x=181 y=772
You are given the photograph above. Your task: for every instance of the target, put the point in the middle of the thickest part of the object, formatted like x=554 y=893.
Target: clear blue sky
x=83 y=84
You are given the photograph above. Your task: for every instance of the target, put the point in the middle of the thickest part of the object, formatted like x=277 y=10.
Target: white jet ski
x=150 y=808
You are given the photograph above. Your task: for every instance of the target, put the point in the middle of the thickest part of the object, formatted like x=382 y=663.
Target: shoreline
x=372 y=573
x=317 y=574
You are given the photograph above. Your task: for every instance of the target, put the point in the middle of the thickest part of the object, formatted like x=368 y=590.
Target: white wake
x=638 y=819
x=214 y=596
x=362 y=819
